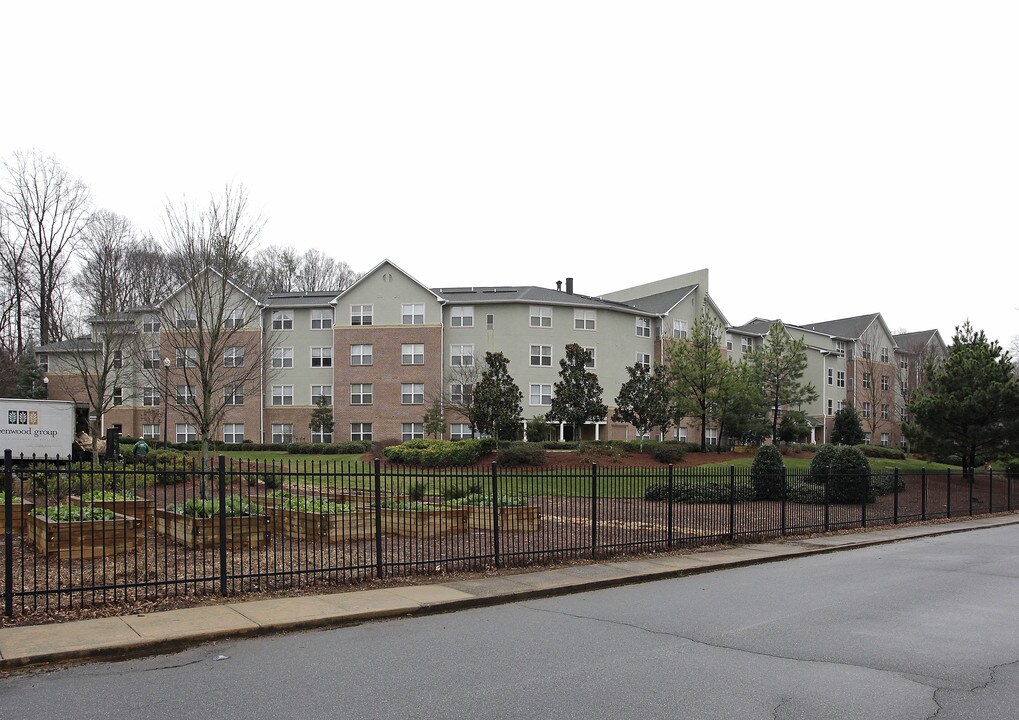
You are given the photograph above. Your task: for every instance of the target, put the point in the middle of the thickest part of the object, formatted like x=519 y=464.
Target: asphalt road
x=918 y=629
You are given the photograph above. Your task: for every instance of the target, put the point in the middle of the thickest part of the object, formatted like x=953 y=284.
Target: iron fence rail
x=313 y=523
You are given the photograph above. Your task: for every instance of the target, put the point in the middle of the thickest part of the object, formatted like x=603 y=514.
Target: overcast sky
x=822 y=159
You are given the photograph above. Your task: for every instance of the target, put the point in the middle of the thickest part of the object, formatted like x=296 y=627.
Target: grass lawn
x=909 y=465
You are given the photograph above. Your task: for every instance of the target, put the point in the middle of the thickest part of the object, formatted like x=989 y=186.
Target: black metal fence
x=130 y=533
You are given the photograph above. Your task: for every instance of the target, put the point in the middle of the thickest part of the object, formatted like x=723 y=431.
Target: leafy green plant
x=767 y=473
x=311 y=504
x=235 y=506
x=668 y=452
x=405 y=505
x=880 y=451
x=482 y=499
x=417 y=490
x=522 y=454
x=3 y=498
x=74 y=513
x=820 y=464
x=107 y=496
x=436 y=453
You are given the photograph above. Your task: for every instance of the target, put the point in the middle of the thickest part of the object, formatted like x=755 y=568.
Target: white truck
x=36 y=427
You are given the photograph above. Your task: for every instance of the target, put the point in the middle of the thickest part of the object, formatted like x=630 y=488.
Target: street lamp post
x=166 y=398
x=46 y=388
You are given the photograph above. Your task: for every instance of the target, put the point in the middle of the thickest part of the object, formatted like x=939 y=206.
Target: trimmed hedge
x=849 y=481
x=352 y=447
x=434 y=453
x=697 y=492
x=767 y=473
x=668 y=452
x=521 y=454
x=880 y=451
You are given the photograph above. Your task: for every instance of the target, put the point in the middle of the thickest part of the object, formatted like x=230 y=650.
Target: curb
x=143 y=648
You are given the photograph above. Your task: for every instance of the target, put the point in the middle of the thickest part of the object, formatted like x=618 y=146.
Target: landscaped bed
x=79 y=532
x=515 y=513
x=313 y=518
x=20 y=510
x=411 y=518
x=195 y=523
x=122 y=503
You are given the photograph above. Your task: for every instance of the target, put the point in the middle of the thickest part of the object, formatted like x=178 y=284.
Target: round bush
x=668 y=452
x=1012 y=469
x=767 y=474
x=820 y=466
x=849 y=481
x=525 y=454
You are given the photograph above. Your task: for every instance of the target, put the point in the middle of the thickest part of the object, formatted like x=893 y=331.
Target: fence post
x=8 y=534
x=495 y=516
x=863 y=501
x=732 y=503
x=784 y=491
x=895 y=498
x=923 y=493
x=669 y=536
x=378 y=518
x=594 y=510
x=971 y=481
x=1008 y=484
x=990 y=490
x=827 y=506
x=948 y=492
x=222 y=524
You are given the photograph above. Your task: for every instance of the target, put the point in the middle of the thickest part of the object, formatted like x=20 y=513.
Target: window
x=461 y=355
x=831 y=407
x=728 y=342
x=681 y=434
x=412 y=394
x=118 y=359
x=711 y=436
x=151 y=323
x=903 y=442
x=233 y=356
x=866 y=438
x=186 y=432
x=233 y=395
x=459 y=431
x=150 y=396
x=360 y=354
x=150 y=358
x=461 y=393
x=283 y=357
x=831 y=376
x=541 y=316
x=413 y=313
x=840 y=348
x=320 y=393
x=866 y=380
x=842 y=404
x=884 y=382
x=679 y=329
x=584 y=319
x=903 y=415
x=187 y=357
x=185 y=395
x=151 y=432
x=186 y=320
x=541 y=355
x=589 y=365
x=462 y=316
x=412 y=354
x=746 y=344
x=490 y=321
x=866 y=409
x=413 y=431
x=361 y=431
x=321 y=319
x=282 y=394
x=283 y=320
x=321 y=436
x=884 y=411
x=643 y=327
x=44 y=362
x=643 y=359
x=866 y=353
x=884 y=354
x=541 y=394
x=903 y=364
x=361 y=314
x=283 y=432
x=234 y=319
x=321 y=357
x=118 y=396
x=233 y=432
x=360 y=393
x=841 y=379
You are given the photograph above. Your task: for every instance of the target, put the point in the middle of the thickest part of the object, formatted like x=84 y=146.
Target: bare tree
x=458 y=395
x=13 y=285
x=104 y=280
x=211 y=325
x=47 y=210
x=877 y=378
x=319 y=272
x=153 y=272
x=276 y=269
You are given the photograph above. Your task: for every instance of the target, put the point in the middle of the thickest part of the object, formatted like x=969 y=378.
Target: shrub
x=537 y=429
x=697 y=491
x=487 y=445
x=849 y=481
x=436 y=453
x=884 y=483
x=880 y=451
x=75 y=513
x=416 y=491
x=820 y=466
x=557 y=445
x=593 y=450
x=806 y=493
x=527 y=454
x=668 y=452
x=1012 y=469
x=378 y=447
x=767 y=473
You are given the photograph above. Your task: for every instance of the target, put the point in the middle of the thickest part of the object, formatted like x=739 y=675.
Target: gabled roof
x=849 y=328
x=300 y=299
x=73 y=345
x=663 y=302
x=232 y=283
x=396 y=267
x=758 y=327
x=529 y=294
x=915 y=342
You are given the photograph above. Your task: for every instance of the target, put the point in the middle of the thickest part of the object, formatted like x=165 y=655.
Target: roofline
x=384 y=261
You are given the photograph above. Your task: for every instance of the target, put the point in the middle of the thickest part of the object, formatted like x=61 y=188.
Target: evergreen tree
x=847 y=428
x=779 y=366
x=969 y=407
x=576 y=398
x=793 y=427
x=741 y=408
x=322 y=417
x=696 y=372
x=434 y=422
x=29 y=382
x=644 y=401
x=496 y=408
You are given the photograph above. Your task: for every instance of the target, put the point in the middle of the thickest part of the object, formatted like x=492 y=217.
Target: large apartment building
x=383 y=350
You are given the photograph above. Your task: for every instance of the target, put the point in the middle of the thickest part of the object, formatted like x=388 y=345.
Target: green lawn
x=802 y=464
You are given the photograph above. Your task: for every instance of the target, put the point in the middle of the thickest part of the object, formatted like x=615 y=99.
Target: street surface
x=918 y=629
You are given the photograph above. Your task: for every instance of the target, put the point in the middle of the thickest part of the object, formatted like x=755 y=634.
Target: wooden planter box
x=138 y=508
x=511 y=519
x=423 y=523
x=20 y=511
x=326 y=527
x=204 y=532
x=82 y=539
x=361 y=498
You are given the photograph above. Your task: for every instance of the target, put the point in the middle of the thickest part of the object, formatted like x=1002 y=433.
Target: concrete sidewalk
x=132 y=635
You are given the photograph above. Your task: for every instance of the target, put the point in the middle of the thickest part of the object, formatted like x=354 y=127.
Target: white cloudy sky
x=822 y=159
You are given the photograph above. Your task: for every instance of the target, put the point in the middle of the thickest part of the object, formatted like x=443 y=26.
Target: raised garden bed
x=515 y=515
x=196 y=523
x=415 y=519
x=77 y=533
x=136 y=507
x=316 y=519
x=362 y=498
x=21 y=509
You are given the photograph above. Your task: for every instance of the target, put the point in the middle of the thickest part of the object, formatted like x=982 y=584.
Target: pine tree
x=779 y=366
x=847 y=428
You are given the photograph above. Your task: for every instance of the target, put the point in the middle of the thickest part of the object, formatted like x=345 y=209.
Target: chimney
x=559 y=285
x=569 y=285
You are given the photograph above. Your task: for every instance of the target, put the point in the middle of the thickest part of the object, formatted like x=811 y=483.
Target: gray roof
x=72 y=345
x=914 y=341
x=300 y=299
x=757 y=326
x=529 y=294
x=663 y=302
x=850 y=328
